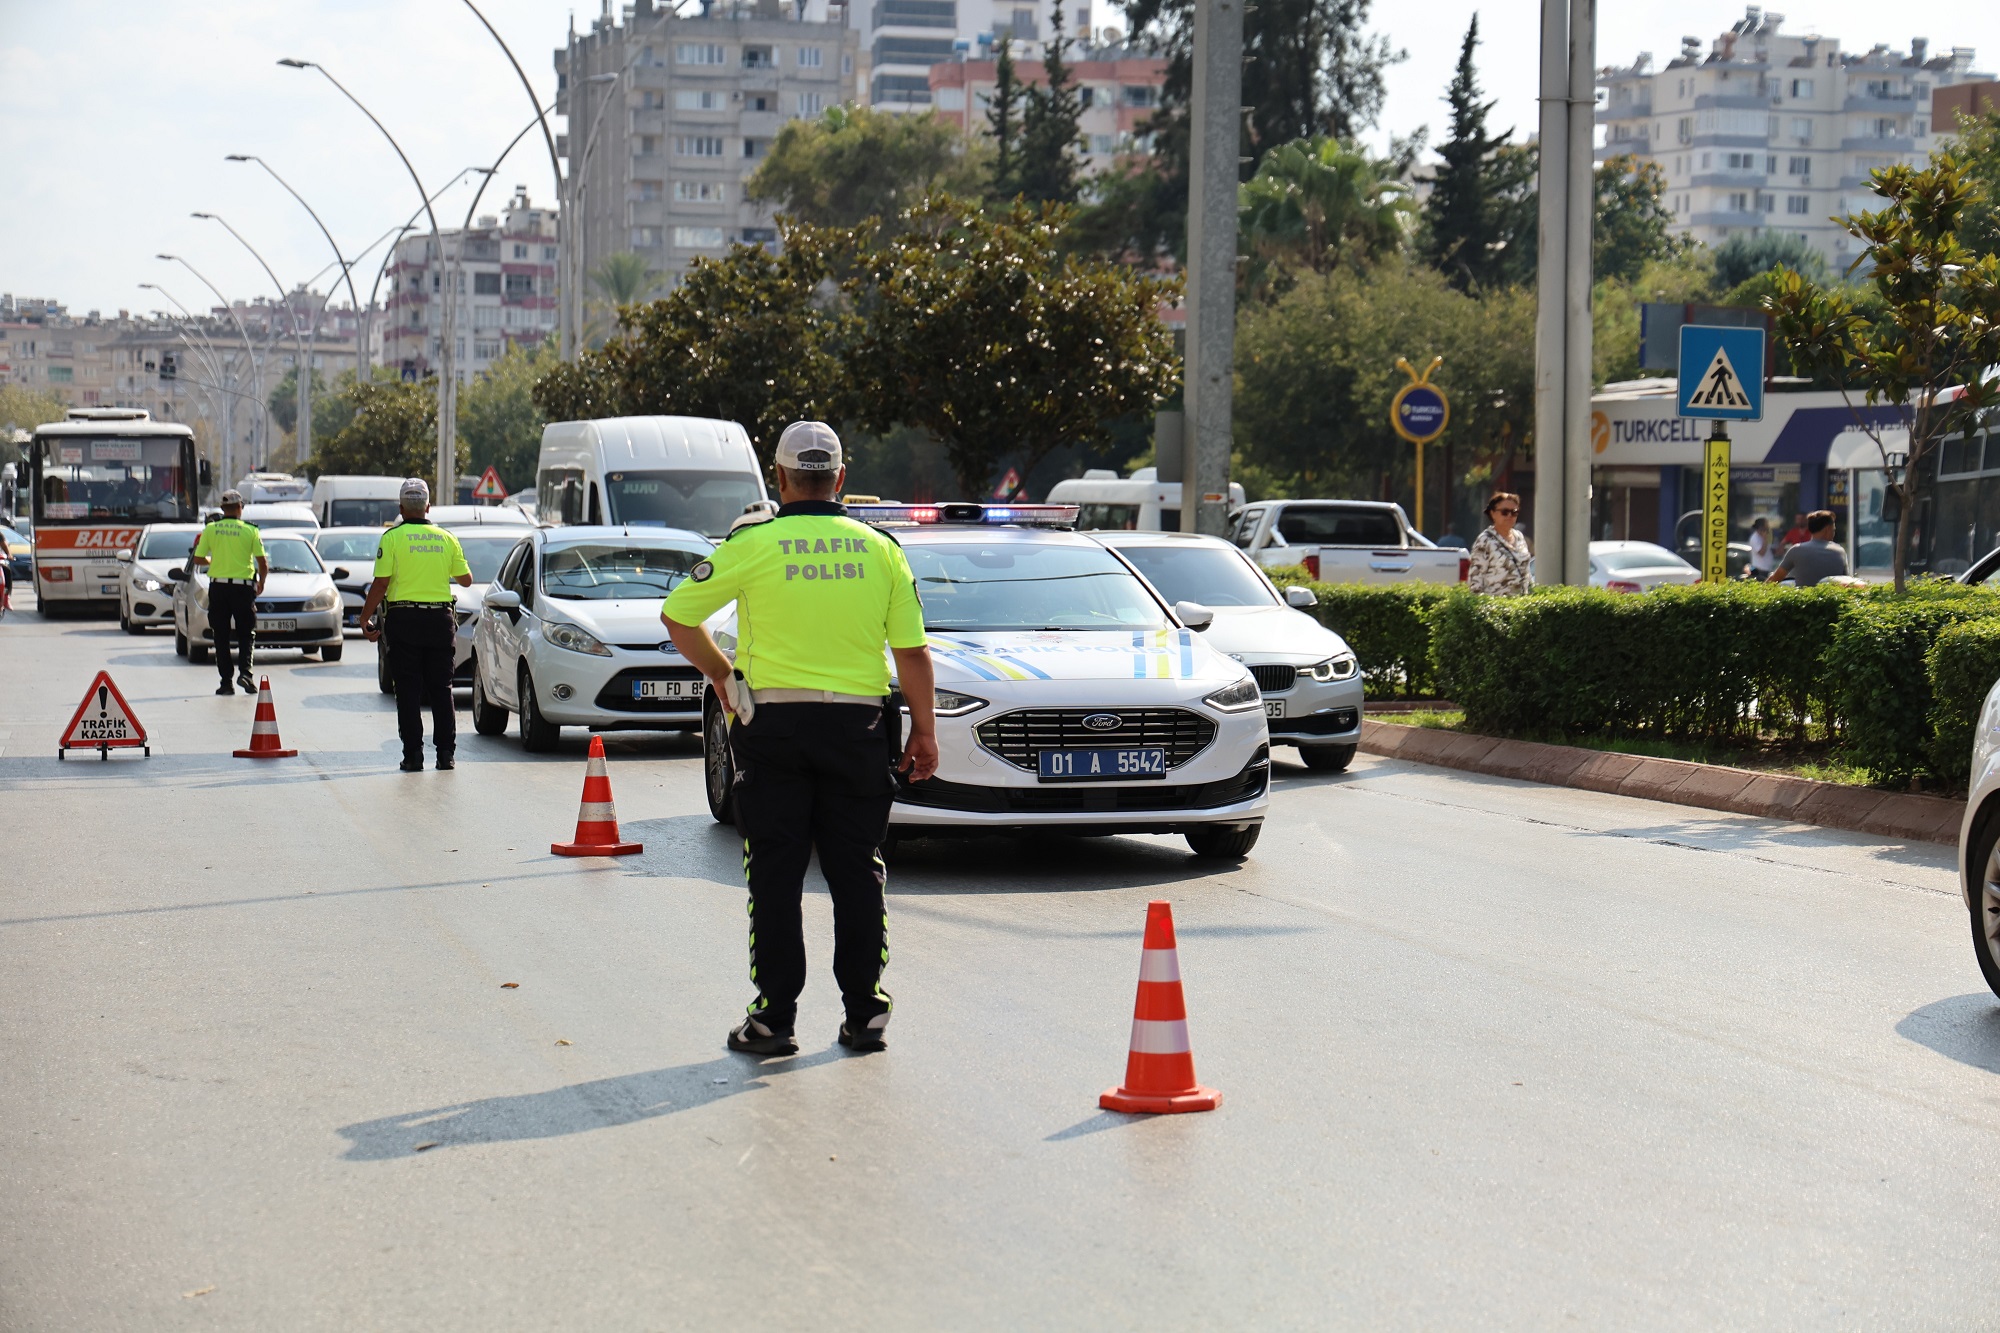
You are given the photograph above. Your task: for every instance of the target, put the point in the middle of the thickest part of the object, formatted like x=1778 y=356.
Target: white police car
x=1069 y=695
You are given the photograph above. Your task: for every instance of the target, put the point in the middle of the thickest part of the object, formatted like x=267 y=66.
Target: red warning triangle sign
x=103 y=721
x=489 y=487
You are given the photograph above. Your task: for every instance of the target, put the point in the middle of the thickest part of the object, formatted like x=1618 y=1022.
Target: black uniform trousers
x=232 y=617
x=816 y=776
x=420 y=650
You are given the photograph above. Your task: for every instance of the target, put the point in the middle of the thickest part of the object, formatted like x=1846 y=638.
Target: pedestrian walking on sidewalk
x=1501 y=564
x=815 y=734
x=233 y=552
x=415 y=566
x=1814 y=560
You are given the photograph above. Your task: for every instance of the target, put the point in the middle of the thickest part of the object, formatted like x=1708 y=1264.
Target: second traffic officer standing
x=818 y=596
x=415 y=567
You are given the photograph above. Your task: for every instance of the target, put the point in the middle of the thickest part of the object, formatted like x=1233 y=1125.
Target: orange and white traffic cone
x=597 y=817
x=1159 y=1072
x=264 y=742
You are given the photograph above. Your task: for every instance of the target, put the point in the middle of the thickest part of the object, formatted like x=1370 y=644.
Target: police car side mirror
x=503 y=599
x=1194 y=615
x=1301 y=599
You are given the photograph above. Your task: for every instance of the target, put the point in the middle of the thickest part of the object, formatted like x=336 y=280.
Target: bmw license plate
x=1274 y=708
x=1102 y=765
x=666 y=689
x=277 y=626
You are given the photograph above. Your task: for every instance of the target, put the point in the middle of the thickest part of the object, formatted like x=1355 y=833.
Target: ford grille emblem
x=1102 y=721
x=668 y=647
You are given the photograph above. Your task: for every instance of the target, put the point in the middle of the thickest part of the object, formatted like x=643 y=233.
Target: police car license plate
x=1274 y=708
x=666 y=689
x=1102 y=765
x=265 y=622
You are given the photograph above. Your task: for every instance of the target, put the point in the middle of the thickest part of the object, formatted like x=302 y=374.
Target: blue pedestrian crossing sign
x=1722 y=373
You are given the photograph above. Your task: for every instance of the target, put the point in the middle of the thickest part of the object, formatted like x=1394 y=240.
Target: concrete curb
x=1709 y=786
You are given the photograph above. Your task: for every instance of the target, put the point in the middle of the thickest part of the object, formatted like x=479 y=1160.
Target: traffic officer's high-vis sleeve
x=817 y=597
x=420 y=562
x=232 y=547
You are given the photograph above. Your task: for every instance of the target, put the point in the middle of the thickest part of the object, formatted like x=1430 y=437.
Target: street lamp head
x=202 y=215
x=290 y=63
x=240 y=157
x=172 y=259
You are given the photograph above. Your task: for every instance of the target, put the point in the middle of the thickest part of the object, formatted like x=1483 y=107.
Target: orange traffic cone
x=1159 y=1072
x=264 y=742
x=596 y=818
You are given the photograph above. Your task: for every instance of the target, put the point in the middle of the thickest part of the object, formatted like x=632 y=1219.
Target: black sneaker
x=248 y=683
x=225 y=688
x=752 y=1036
x=446 y=761
x=412 y=766
x=865 y=1037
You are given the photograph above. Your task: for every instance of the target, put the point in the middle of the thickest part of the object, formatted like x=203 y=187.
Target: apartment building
x=1775 y=131
x=504 y=270
x=906 y=40
x=1118 y=85
x=669 y=114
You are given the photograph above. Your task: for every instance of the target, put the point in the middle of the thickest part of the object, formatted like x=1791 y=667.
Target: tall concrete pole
x=1580 y=196
x=1551 y=289
x=1216 y=131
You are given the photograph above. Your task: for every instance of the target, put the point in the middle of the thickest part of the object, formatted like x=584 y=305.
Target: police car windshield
x=1025 y=585
x=1206 y=574
x=591 y=571
x=484 y=554
x=704 y=502
x=289 y=555
x=167 y=545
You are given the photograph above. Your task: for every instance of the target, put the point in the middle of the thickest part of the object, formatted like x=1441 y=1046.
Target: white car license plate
x=1274 y=708
x=666 y=689
x=1102 y=765
x=276 y=626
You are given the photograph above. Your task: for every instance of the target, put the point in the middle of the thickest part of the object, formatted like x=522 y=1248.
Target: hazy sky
x=116 y=117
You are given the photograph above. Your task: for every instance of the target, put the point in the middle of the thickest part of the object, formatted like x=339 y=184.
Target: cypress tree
x=1463 y=238
x=1003 y=114
x=1048 y=167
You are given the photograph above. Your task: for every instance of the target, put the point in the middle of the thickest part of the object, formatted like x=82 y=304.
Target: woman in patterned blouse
x=1501 y=563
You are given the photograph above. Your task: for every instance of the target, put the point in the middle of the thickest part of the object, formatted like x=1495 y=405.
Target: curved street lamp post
x=346 y=268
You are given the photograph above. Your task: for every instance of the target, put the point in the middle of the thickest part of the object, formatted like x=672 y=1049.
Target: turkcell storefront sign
x=1645 y=429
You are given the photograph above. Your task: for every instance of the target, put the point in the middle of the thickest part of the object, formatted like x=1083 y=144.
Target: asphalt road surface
x=1493 y=1055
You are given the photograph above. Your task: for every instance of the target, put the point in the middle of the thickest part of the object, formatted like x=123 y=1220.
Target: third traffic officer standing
x=817 y=596
x=415 y=567
x=234 y=553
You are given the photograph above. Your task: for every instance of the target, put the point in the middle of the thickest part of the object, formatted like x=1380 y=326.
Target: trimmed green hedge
x=1896 y=682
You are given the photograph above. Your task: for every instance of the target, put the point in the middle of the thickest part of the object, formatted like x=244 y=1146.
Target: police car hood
x=1272 y=634
x=1078 y=655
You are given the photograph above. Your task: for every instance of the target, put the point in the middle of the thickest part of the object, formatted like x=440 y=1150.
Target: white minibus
x=693 y=473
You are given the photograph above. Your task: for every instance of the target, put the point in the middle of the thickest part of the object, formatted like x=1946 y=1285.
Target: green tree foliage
x=745 y=338
x=980 y=331
x=1316 y=369
x=1743 y=257
x=393 y=432
x=497 y=417
x=1631 y=219
x=1316 y=202
x=1978 y=148
x=284 y=400
x=1465 y=216
x=1003 y=117
x=1048 y=170
x=22 y=408
x=623 y=278
x=1936 y=325
x=855 y=163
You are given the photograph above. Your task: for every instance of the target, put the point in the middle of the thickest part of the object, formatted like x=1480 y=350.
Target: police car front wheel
x=718 y=766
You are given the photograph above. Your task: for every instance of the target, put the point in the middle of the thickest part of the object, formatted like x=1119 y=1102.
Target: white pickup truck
x=1345 y=541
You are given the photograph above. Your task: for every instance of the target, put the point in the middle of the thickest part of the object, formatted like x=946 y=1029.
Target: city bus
x=96 y=479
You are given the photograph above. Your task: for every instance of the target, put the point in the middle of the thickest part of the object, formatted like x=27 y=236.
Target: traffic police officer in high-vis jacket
x=814 y=734
x=415 y=566
x=234 y=553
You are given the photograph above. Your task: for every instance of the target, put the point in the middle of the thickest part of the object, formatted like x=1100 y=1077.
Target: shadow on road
x=575 y=1109
x=1042 y=864
x=1965 y=1028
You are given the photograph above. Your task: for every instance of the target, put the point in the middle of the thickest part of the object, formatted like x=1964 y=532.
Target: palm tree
x=1318 y=202
x=622 y=279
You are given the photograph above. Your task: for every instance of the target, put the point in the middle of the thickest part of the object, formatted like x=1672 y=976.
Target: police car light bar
x=1025 y=515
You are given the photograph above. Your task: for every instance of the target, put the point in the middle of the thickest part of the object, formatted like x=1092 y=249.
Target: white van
x=274 y=488
x=1139 y=503
x=693 y=473
x=356 y=502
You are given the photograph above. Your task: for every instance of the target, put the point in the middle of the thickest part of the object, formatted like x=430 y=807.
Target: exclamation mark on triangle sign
x=103 y=702
x=1719 y=386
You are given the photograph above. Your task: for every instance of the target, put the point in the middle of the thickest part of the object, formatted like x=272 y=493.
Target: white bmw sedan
x=1069 y=696
x=569 y=635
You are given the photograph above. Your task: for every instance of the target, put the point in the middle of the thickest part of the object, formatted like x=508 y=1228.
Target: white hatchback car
x=1979 y=842
x=1309 y=677
x=1069 y=695
x=570 y=635
x=145 y=593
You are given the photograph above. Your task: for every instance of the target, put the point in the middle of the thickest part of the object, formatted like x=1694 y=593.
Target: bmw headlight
x=150 y=585
x=323 y=600
x=1237 y=697
x=950 y=703
x=572 y=638
x=1334 y=668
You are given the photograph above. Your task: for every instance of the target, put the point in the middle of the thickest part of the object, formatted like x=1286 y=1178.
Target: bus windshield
x=704 y=502
x=79 y=478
